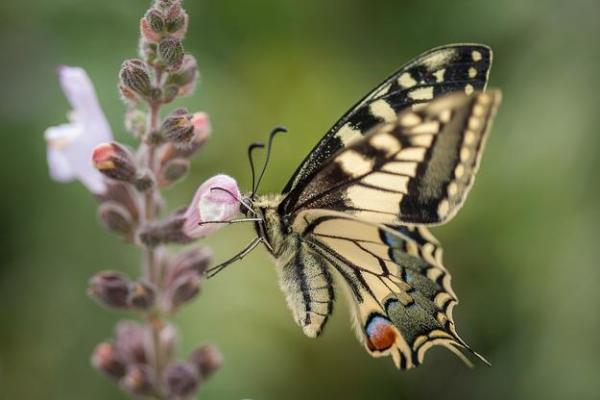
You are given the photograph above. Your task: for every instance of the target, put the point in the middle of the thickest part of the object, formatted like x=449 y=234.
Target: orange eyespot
x=381 y=334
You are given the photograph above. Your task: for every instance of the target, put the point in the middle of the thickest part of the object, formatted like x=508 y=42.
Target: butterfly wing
x=400 y=292
x=416 y=170
x=446 y=69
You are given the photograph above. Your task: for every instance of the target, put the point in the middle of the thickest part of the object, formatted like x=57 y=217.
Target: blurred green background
x=523 y=251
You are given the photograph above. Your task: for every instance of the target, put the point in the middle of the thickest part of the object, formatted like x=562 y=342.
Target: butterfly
x=359 y=206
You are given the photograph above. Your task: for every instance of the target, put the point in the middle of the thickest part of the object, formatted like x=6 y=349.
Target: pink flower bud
x=200 y=132
x=114 y=161
x=138 y=380
x=141 y=295
x=186 y=77
x=202 y=127
x=172 y=171
x=194 y=260
x=110 y=289
x=116 y=219
x=207 y=359
x=135 y=80
x=182 y=290
x=215 y=200
x=181 y=379
x=107 y=359
x=171 y=53
x=152 y=26
x=178 y=128
x=131 y=341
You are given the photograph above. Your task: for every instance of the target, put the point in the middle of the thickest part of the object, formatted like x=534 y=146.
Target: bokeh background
x=523 y=251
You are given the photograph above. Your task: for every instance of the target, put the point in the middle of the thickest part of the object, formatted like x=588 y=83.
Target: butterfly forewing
x=460 y=67
x=417 y=169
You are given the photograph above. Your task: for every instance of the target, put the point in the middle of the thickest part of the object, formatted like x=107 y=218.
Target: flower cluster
x=128 y=358
x=127 y=182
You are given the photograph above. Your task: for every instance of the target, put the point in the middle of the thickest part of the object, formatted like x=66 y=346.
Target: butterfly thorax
x=272 y=227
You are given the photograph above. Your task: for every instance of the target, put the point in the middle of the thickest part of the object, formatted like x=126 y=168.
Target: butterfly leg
x=246 y=250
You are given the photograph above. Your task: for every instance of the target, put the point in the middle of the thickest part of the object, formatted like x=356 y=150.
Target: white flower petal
x=59 y=166
x=86 y=110
x=63 y=135
x=76 y=141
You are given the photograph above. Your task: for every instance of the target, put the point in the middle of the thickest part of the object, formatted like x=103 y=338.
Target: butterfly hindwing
x=415 y=170
x=446 y=69
x=399 y=290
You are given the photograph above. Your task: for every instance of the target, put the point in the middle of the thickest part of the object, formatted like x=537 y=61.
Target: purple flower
x=70 y=145
x=217 y=199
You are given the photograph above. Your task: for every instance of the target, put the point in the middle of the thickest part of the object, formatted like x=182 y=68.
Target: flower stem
x=151 y=266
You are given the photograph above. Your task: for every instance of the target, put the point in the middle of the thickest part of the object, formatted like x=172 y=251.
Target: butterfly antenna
x=251 y=148
x=274 y=132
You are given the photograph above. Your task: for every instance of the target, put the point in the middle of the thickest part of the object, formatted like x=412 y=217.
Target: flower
x=202 y=126
x=70 y=145
x=217 y=199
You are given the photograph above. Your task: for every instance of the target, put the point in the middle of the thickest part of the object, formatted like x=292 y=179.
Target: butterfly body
x=358 y=207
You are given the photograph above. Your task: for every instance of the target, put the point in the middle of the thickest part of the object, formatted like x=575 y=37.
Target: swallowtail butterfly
x=360 y=204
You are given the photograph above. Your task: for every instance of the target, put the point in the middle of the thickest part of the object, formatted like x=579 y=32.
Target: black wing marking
x=400 y=291
x=417 y=170
x=446 y=69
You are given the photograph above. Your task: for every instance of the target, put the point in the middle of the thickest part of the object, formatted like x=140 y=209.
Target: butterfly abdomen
x=307 y=284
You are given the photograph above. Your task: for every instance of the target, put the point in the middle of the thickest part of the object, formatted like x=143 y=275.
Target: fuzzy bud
x=138 y=380
x=195 y=260
x=152 y=26
x=185 y=77
x=131 y=341
x=169 y=93
x=134 y=79
x=121 y=194
x=114 y=161
x=144 y=181
x=166 y=5
x=173 y=171
x=202 y=128
x=135 y=122
x=178 y=127
x=169 y=230
x=177 y=22
x=106 y=359
x=141 y=295
x=110 y=289
x=207 y=359
x=149 y=52
x=170 y=51
x=181 y=379
x=183 y=289
x=116 y=218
